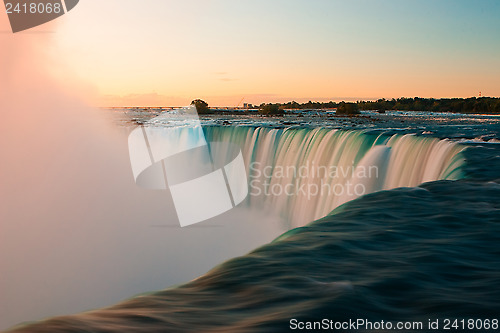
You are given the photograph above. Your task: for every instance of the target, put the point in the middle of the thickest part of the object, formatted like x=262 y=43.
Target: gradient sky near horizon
x=165 y=52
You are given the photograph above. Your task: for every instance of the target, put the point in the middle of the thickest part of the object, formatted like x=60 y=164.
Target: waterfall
x=304 y=173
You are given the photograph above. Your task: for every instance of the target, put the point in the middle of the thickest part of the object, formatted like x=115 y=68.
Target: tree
x=201 y=106
x=496 y=108
x=381 y=105
x=480 y=107
x=271 y=109
x=347 y=108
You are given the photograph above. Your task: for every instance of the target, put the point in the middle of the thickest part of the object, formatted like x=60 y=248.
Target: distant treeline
x=459 y=105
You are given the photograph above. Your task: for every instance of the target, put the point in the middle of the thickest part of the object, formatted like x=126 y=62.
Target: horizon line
x=312 y=101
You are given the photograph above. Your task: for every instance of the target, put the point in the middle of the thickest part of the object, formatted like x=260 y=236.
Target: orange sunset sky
x=163 y=52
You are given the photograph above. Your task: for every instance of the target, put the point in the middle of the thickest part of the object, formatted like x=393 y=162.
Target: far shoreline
x=471 y=105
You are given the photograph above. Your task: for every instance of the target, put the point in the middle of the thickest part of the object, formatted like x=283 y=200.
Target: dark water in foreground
x=408 y=254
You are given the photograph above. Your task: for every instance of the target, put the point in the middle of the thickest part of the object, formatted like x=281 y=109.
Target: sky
x=165 y=52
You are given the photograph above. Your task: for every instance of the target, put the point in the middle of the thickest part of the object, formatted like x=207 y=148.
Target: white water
x=78 y=234
x=304 y=174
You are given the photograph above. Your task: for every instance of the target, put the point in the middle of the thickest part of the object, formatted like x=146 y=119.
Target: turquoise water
x=329 y=164
x=413 y=253
x=405 y=254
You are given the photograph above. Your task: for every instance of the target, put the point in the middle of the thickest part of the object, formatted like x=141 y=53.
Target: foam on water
x=412 y=253
x=334 y=162
x=408 y=254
